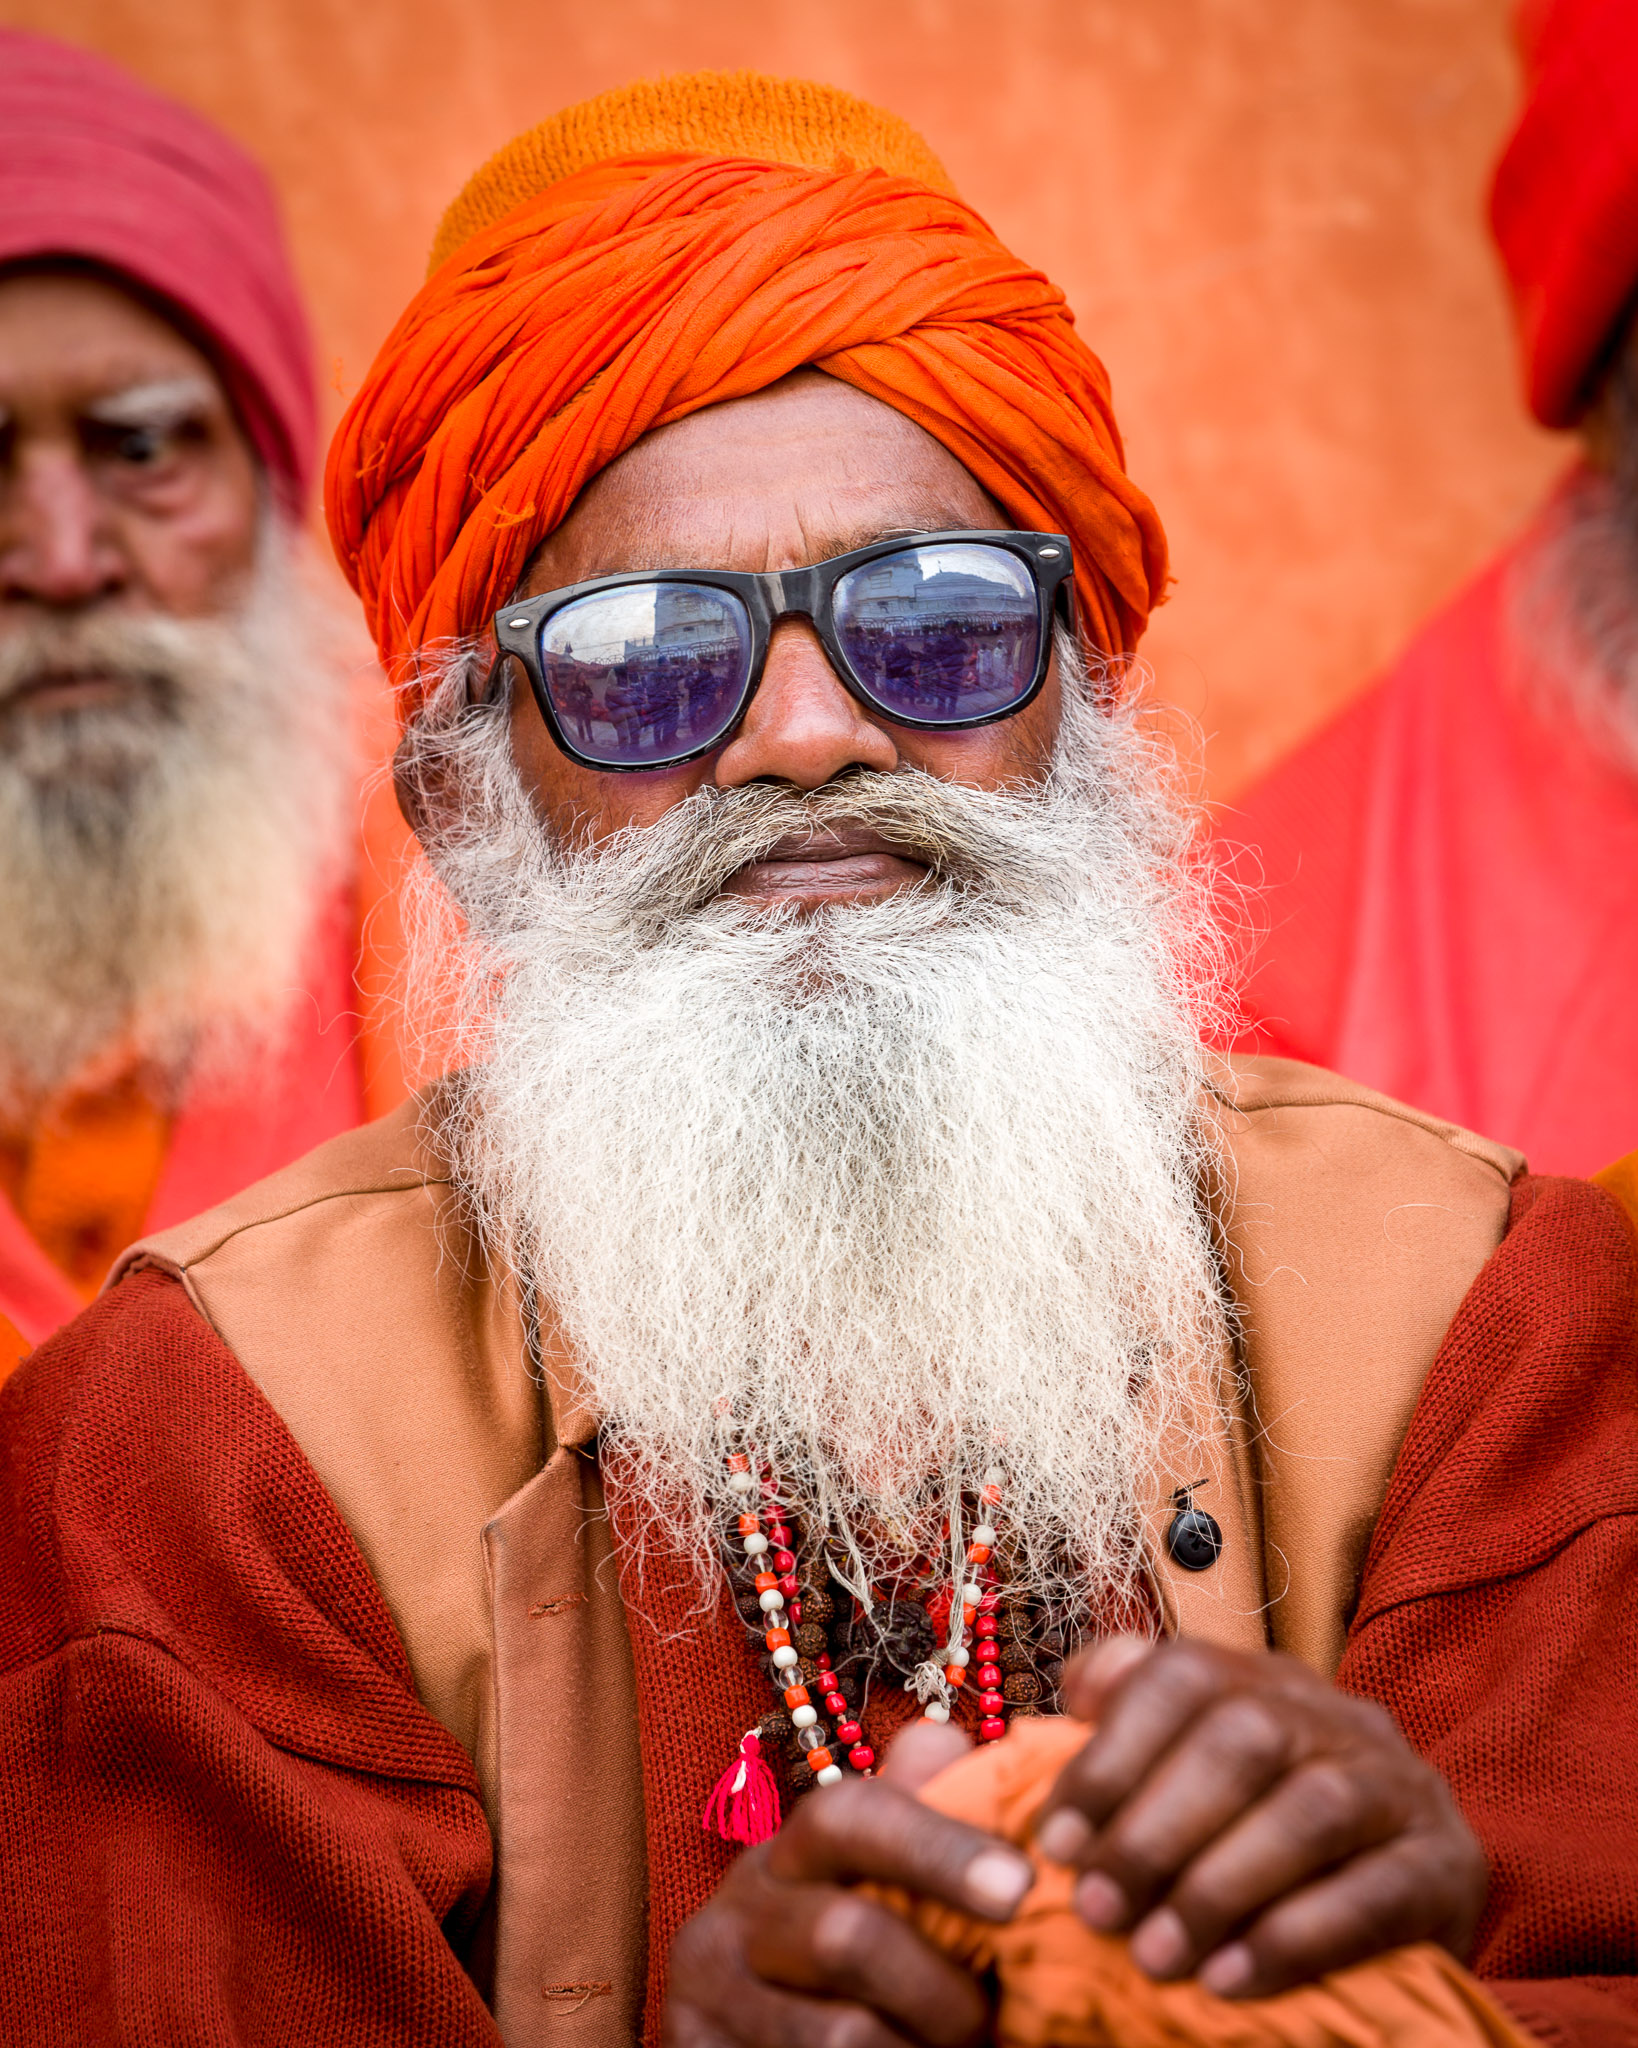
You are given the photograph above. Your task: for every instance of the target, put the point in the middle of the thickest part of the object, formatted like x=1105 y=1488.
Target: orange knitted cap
x=705 y=113
x=676 y=244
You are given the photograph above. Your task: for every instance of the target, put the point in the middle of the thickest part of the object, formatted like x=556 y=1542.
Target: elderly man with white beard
x=465 y=1588
x=178 y=919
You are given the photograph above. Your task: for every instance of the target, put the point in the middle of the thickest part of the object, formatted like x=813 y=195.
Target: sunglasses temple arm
x=497 y=687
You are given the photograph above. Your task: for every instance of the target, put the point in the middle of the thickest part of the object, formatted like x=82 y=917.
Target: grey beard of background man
x=163 y=855
x=1578 y=597
x=893 y=1190
x=1575 y=594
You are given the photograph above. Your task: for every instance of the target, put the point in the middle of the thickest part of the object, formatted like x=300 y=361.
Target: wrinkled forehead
x=82 y=338
x=807 y=468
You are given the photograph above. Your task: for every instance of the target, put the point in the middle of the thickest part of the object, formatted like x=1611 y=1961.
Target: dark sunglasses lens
x=942 y=633
x=646 y=673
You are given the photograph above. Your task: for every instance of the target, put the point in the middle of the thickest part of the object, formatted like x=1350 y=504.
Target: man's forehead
x=668 y=551
x=83 y=342
x=804 y=471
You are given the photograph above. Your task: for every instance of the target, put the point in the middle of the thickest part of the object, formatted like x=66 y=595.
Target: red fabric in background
x=227 y=1817
x=1451 y=897
x=1564 y=205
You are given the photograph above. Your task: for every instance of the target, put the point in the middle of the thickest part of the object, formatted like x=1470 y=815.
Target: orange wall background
x=1266 y=213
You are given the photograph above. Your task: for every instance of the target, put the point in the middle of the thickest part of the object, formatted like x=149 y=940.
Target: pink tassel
x=744 y=1807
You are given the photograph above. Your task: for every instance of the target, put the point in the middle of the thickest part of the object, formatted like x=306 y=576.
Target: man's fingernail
x=1064 y=1836
x=839 y=1929
x=1117 y=1653
x=1229 y=1972
x=1161 y=1945
x=996 y=1880
x=1100 y=1902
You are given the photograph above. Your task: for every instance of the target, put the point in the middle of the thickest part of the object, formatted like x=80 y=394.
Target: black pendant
x=1194 y=1539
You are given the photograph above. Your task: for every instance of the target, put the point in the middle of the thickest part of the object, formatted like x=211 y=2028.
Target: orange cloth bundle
x=1063 y=1986
x=658 y=279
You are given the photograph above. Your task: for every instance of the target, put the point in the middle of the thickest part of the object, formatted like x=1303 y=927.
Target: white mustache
x=966 y=837
x=142 y=652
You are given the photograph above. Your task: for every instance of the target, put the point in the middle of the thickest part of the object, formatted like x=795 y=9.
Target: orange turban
x=671 y=246
x=1062 y=1986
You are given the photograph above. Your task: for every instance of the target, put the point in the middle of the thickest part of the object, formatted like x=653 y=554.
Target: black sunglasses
x=939 y=633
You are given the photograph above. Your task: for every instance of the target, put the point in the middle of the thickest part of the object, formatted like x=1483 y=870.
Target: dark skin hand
x=786 y=1953
x=1250 y=1823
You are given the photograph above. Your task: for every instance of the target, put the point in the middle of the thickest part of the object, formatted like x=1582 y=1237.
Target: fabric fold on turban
x=1564 y=205
x=639 y=290
x=95 y=166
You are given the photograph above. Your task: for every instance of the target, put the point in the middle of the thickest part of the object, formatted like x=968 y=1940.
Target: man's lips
x=67 y=689
x=843 y=863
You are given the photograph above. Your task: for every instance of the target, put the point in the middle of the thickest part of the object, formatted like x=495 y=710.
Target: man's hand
x=785 y=1955
x=1250 y=1823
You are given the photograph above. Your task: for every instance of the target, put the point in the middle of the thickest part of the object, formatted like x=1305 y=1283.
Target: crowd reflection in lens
x=650 y=671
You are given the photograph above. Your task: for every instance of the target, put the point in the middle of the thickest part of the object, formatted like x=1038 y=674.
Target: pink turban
x=94 y=165
x=1565 y=201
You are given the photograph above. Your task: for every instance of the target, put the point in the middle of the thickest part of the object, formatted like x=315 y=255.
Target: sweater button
x=1195 y=1540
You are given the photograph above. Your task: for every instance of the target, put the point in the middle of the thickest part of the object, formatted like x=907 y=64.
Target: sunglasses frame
x=772 y=595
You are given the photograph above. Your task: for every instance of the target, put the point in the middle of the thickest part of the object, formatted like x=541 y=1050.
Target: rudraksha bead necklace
x=986 y=1634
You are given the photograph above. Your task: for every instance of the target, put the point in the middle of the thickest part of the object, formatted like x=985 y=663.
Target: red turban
x=1565 y=201
x=639 y=289
x=94 y=165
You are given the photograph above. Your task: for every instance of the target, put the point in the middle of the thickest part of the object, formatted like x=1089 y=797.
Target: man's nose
x=58 y=546
x=802 y=726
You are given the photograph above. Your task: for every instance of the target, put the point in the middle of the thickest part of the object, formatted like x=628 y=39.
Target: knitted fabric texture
x=1564 y=205
x=643 y=288
x=225 y=1814
x=709 y=113
x=1496 y=1617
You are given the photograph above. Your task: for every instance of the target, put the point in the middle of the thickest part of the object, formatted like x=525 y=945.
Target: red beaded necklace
x=774 y=1589
x=988 y=1645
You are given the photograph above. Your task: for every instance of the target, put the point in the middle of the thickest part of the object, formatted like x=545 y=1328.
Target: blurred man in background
x=1453 y=863
x=178 y=906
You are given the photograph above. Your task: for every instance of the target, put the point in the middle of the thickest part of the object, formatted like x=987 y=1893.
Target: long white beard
x=162 y=862
x=891 y=1194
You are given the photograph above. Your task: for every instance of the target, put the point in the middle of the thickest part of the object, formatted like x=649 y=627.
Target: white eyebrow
x=165 y=402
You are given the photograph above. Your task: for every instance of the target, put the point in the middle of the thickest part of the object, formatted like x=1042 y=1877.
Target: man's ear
x=419 y=777
x=409 y=788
